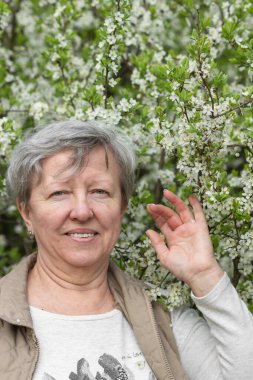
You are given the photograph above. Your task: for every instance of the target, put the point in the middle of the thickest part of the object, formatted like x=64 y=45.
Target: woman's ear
x=25 y=213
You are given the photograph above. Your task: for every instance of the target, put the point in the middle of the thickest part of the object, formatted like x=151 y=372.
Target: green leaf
x=228 y=29
x=160 y=71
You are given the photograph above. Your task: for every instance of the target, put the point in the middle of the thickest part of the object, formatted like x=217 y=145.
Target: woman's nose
x=81 y=210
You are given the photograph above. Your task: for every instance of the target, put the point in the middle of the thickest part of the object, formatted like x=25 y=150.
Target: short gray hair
x=76 y=136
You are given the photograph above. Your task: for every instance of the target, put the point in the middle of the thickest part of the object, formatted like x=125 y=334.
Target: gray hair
x=76 y=136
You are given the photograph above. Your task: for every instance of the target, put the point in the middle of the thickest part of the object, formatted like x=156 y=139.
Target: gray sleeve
x=220 y=345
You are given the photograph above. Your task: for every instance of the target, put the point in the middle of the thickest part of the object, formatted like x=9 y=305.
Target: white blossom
x=38 y=109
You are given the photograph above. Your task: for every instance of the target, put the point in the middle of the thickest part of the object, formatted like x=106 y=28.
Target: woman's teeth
x=78 y=235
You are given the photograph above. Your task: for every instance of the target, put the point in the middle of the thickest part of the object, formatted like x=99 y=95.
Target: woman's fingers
x=162 y=214
x=183 y=210
x=159 y=245
x=168 y=220
x=198 y=210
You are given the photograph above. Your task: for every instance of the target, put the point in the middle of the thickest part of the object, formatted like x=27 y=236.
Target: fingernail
x=153 y=205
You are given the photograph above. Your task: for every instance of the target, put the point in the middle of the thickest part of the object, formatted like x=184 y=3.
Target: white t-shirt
x=90 y=347
x=216 y=347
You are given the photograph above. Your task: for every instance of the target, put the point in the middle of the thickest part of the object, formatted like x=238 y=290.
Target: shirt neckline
x=43 y=314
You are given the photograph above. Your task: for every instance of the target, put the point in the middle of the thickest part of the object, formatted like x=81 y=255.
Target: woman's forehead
x=64 y=164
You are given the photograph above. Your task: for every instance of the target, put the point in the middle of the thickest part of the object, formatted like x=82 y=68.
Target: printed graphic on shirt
x=112 y=369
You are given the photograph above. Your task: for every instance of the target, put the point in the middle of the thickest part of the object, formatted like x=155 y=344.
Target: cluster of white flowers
x=44 y=3
x=246 y=251
x=246 y=291
x=7 y=137
x=107 y=115
x=38 y=109
x=178 y=294
x=5 y=15
x=125 y=105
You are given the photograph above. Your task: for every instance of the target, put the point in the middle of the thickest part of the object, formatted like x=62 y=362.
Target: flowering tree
x=177 y=77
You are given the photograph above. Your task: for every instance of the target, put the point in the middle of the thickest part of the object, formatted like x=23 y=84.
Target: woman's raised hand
x=185 y=248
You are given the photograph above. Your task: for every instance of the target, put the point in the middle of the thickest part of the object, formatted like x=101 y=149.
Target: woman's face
x=76 y=218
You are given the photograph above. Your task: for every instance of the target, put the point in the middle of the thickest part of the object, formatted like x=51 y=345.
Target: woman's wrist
x=204 y=282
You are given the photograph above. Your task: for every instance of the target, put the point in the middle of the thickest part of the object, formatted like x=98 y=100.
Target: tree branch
x=236 y=261
x=242 y=105
x=158 y=192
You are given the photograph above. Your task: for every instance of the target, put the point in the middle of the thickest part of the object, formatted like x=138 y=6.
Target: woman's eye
x=100 y=191
x=58 y=193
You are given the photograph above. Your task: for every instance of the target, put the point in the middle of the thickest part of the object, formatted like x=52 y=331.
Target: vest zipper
x=36 y=344
x=165 y=361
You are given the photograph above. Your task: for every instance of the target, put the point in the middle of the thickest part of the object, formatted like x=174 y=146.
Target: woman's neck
x=77 y=293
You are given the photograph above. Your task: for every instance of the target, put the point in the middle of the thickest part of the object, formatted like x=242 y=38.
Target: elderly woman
x=68 y=312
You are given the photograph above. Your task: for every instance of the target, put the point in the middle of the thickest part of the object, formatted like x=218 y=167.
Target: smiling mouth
x=78 y=235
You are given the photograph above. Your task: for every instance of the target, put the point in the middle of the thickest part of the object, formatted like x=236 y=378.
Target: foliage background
x=176 y=76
